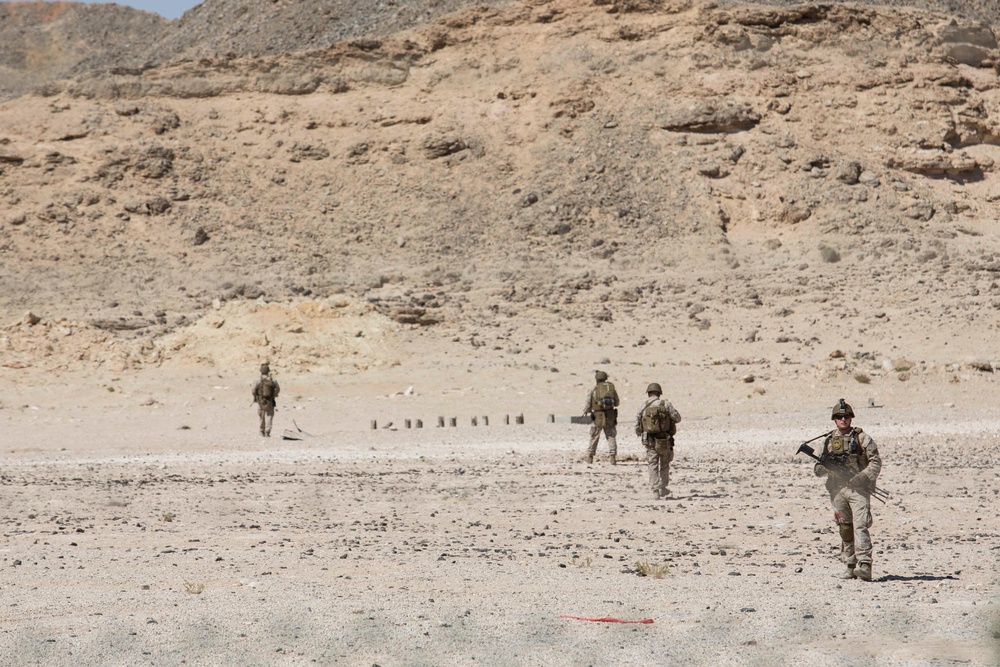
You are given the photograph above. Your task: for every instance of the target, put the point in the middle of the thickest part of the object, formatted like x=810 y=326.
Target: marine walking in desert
x=850 y=462
x=265 y=395
x=602 y=406
x=656 y=423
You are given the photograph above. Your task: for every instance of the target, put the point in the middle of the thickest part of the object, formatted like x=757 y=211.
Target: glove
x=638 y=432
x=859 y=482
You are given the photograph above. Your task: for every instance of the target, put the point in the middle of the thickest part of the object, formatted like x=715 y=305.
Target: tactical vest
x=602 y=399
x=846 y=450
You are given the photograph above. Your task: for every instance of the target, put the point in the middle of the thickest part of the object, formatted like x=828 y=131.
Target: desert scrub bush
x=828 y=254
x=167 y=517
x=193 y=588
x=862 y=378
x=581 y=562
x=654 y=570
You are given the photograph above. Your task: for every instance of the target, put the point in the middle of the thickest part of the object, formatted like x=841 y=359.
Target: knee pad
x=846 y=532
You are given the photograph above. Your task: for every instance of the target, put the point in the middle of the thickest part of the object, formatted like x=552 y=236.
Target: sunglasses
x=842 y=417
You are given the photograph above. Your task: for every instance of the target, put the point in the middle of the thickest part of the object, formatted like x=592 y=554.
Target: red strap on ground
x=606 y=619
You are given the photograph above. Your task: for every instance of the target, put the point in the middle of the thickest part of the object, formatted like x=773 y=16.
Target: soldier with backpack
x=656 y=424
x=602 y=406
x=265 y=395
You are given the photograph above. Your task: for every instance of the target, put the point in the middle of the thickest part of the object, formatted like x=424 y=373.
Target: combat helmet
x=842 y=409
x=654 y=388
x=265 y=369
x=601 y=376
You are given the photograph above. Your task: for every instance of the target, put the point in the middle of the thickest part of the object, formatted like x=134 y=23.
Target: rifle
x=837 y=468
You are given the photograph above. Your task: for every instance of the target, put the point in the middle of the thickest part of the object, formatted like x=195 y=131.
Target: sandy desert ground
x=149 y=524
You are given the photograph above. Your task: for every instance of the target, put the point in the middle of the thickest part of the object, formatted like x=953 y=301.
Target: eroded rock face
x=710 y=116
x=938 y=163
x=525 y=163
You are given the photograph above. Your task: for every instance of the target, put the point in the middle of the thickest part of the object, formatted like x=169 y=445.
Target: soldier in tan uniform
x=265 y=395
x=602 y=406
x=656 y=424
x=856 y=464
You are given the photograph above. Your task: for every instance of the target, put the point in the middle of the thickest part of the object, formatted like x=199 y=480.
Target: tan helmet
x=842 y=409
x=265 y=369
x=654 y=388
x=601 y=376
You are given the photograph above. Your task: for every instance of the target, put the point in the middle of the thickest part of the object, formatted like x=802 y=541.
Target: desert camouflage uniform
x=603 y=421
x=852 y=504
x=265 y=406
x=657 y=459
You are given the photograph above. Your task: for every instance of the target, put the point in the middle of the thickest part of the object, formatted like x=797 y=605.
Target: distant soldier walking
x=265 y=395
x=851 y=464
x=656 y=424
x=602 y=406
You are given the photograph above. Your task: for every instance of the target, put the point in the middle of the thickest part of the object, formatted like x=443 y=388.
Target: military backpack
x=604 y=397
x=656 y=419
x=266 y=389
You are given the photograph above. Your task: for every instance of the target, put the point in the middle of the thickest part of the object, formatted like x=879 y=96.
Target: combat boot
x=614 y=460
x=848 y=573
x=864 y=571
x=590 y=459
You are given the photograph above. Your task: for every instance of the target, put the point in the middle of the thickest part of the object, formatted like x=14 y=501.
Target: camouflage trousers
x=852 y=512
x=265 y=409
x=658 y=465
x=610 y=432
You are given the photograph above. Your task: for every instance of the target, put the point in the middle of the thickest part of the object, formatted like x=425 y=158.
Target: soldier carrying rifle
x=851 y=463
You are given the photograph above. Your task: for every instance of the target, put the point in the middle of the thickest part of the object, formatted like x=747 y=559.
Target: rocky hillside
x=42 y=41
x=987 y=11
x=246 y=28
x=677 y=171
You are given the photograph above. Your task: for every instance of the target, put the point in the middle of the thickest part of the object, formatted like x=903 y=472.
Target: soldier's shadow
x=916 y=577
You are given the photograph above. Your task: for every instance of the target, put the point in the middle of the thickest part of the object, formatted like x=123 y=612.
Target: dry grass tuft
x=654 y=570
x=194 y=589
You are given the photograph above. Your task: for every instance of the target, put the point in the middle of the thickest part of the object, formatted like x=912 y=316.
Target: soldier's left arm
x=614 y=393
x=874 y=466
x=676 y=416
